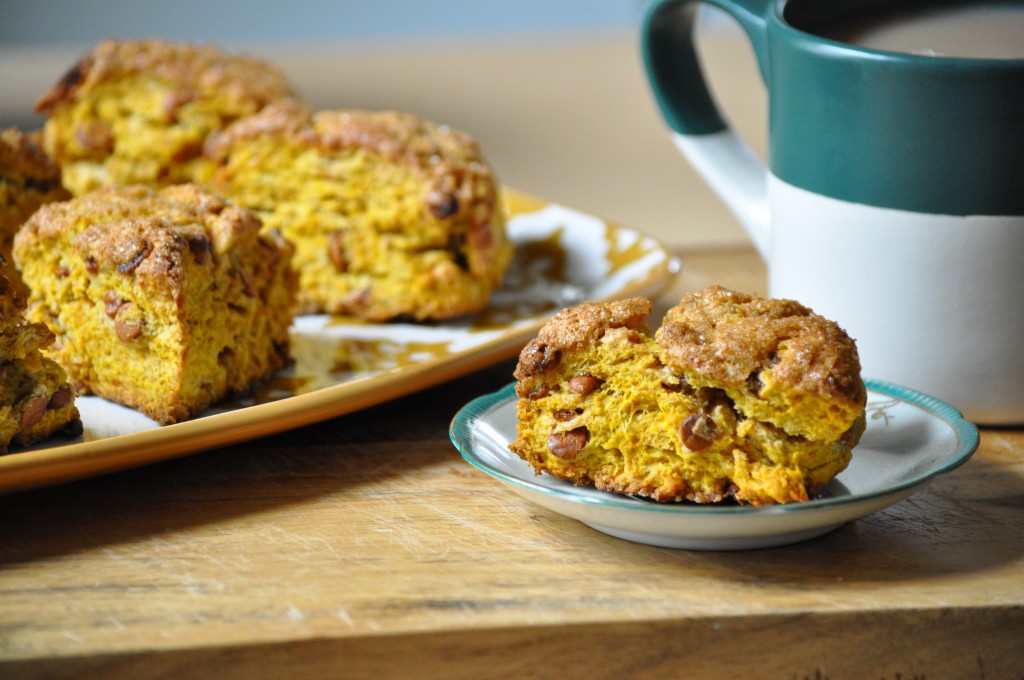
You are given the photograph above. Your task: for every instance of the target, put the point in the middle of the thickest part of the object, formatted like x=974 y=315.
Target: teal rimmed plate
x=910 y=439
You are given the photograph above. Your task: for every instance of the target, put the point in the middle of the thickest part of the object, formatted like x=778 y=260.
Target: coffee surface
x=976 y=31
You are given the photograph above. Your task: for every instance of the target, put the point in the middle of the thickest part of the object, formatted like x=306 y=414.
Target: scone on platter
x=734 y=397
x=140 y=111
x=165 y=300
x=392 y=216
x=28 y=179
x=36 y=399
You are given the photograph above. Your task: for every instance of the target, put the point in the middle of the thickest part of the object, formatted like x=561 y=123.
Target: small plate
x=563 y=256
x=910 y=438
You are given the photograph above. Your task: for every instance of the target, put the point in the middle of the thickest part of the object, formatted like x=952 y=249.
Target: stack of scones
x=183 y=205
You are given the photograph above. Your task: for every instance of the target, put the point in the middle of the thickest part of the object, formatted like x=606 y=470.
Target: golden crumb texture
x=28 y=179
x=733 y=397
x=140 y=111
x=392 y=216
x=166 y=300
x=36 y=398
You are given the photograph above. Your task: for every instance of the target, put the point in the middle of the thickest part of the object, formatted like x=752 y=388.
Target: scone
x=777 y=360
x=36 y=399
x=164 y=300
x=734 y=397
x=28 y=179
x=140 y=111
x=391 y=215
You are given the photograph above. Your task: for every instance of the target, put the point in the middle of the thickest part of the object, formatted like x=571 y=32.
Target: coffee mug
x=893 y=196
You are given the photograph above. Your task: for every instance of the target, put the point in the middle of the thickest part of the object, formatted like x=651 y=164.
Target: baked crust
x=192 y=69
x=22 y=158
x=141 y=111
x=602 y=403
x=776 y=359
x=36 y=399
x=166 y=300
x=392 y=215
x=574 y=328
x=28 y=179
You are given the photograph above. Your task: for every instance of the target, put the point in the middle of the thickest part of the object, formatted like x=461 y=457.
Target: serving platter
x=563 y=256
x=910 y=439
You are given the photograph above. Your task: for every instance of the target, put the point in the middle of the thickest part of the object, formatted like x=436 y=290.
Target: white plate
x=341 y=364
x=910 y=438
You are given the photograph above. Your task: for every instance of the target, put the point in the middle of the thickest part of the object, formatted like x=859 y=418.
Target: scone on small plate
x=392 y=216
x=140 y=111
x=36 y=399
x=734 y=397
x=165 y=300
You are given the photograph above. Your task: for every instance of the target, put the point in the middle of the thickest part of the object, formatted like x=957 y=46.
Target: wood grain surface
x=365 y=546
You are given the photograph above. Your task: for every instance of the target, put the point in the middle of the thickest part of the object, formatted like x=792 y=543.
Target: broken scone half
x=36 y=398
x=735 y=396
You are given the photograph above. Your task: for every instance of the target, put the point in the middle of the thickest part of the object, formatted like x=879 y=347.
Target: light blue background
x=24 y=22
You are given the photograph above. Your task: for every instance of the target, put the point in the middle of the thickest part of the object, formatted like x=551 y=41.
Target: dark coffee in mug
x=973 y=31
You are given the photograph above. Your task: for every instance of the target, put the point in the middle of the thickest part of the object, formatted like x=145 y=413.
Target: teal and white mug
x=893 y=196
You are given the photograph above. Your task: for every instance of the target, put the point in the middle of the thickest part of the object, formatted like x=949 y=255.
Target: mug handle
x=699 y=131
